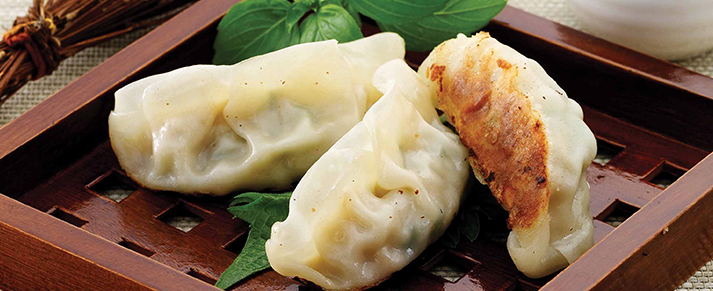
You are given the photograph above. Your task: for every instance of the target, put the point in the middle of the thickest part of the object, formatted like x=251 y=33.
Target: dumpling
x=255 y=125
x=379 y=196
x=528 y=143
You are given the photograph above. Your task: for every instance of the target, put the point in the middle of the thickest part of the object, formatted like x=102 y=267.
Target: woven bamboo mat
x=74 y=67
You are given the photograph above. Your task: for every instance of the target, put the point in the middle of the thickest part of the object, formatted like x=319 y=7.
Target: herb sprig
x=479 y=205
x=261 y=211
x=255 y=27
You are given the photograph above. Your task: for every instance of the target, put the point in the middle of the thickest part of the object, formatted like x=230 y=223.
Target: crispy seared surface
x=505 y=136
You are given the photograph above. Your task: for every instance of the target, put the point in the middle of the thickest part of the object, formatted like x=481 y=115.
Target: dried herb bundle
x=54 y=30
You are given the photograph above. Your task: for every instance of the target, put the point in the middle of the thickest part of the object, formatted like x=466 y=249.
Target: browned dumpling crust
x=496 y=121
x=528 y=142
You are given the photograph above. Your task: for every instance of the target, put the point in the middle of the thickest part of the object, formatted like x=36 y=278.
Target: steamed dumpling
x=379 y=196
x=258 y=124
x=528 y=143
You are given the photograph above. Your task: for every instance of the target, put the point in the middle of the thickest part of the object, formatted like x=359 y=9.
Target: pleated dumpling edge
x=384 y=192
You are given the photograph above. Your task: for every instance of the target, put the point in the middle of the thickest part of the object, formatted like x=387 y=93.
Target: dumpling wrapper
x=529 y=144
x=254 y=125
x=379 y=196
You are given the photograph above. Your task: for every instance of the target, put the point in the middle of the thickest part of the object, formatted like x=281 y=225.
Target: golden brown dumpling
x=527 y=142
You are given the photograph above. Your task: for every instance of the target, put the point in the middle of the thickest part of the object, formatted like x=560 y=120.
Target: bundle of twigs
x=54 y=30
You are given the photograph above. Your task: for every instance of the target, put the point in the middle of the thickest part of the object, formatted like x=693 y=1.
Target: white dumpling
x=379 y=196
x=528 y=143
x=254 y=125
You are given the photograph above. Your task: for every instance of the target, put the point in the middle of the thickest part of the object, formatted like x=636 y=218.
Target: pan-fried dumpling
x=528 y=143
x=258 y=124
x=379 y=196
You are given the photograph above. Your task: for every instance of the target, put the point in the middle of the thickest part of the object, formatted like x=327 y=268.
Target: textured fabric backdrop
x=72 y=68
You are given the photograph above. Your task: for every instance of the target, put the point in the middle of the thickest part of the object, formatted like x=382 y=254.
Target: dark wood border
x=54 y=250
x=657 y=248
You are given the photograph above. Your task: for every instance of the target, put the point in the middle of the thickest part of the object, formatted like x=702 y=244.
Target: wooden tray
x=58 y=231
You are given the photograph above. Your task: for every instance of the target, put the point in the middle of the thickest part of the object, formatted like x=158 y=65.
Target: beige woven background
x=70 y=69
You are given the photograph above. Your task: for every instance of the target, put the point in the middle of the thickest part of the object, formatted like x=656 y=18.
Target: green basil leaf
x=458 y=16
x=464 y=15
x=327 y=2
x=465 y=224
x=451 y=237
x=352 y=11
x=298 y=9
x=418 y=37
x=345 y=4
x=252 y=259
x=397 y=11
x=330 y=22
x=251 y=28
x=471 y=226
x=294 y=37
x=261 y=211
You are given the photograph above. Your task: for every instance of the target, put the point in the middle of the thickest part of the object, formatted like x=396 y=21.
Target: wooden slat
x=659 y=247
x=644 y=149
x=39 y=252
x=608 y=184
x=36 y=259
x=136 y=217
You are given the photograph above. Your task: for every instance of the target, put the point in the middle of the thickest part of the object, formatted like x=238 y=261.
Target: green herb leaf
x=345 y=4
x=470 y=226
x=466 y=223
x=255 y=27
x=251 y=260
x=330 y=22
x=489 y=206
x=352 y=11
x=261 y=211
x=458 y=16
x=464 y=15
x=418 y=37
x=397 y=11
x=298 y=9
